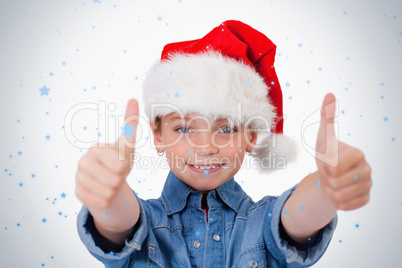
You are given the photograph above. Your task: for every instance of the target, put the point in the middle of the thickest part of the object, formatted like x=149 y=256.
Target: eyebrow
x=187 y=118
x=178 y=117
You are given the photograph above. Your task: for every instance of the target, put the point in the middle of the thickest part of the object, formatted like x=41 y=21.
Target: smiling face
x=201 y=153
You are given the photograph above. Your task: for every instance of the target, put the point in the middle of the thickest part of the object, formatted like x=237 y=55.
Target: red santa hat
x=229 y=72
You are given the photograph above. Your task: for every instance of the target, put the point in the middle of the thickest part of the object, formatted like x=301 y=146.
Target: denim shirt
x=173 y=231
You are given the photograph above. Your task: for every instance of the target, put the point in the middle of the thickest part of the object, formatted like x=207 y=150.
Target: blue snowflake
x=127 y=130
x=44 y=91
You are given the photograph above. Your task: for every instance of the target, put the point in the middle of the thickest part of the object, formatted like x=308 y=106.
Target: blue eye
x=185 y=129
x=227 y=129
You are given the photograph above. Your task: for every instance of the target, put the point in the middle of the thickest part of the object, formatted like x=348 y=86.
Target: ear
x=157 y=137
x=252 y=139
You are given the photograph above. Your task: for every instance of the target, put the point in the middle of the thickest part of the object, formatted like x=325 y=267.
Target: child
x=208 y=101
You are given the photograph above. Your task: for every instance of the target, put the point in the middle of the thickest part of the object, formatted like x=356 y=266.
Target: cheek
x=177 y=152
x=173 y=141
x=234 y=154
x=170 y=138
x=176 y=144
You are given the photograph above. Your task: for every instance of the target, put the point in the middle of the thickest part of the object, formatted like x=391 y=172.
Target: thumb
x=327 y=143
x=126 y=142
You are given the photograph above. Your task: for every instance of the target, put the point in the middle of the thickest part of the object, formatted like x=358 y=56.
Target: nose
x=202 y=143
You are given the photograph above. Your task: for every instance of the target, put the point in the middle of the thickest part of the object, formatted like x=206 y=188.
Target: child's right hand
x=101 y=175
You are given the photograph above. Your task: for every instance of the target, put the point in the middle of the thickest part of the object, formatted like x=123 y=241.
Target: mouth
x=206 y=169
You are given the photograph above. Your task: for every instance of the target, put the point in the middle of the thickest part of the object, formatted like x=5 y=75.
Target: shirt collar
x=175 y=193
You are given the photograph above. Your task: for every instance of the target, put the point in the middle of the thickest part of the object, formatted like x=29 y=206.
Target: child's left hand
x=344 y=173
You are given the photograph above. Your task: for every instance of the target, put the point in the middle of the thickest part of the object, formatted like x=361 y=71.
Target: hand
x=343 y=171
x=103 y=169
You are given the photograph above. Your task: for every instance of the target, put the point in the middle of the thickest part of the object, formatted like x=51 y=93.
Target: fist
x=343 y=170
x=104 y=168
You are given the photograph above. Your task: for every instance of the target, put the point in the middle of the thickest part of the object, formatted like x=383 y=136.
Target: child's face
x=195 y=141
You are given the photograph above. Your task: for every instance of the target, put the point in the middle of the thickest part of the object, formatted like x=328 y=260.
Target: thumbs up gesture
x=343 y=171
x=103 y=170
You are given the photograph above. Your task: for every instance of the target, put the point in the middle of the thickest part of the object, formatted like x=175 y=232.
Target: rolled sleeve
x=125 y=257
x=293 y=256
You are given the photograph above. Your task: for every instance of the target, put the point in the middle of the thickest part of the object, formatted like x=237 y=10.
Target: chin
x=206 y=186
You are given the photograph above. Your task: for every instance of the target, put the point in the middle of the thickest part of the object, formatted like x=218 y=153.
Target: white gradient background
x=107 y=47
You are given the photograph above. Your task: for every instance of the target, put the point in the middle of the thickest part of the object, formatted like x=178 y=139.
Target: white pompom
x=275 y=152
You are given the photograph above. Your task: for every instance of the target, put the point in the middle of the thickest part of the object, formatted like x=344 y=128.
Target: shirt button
x=197 y=244
x=216 y=238
x=253 y=264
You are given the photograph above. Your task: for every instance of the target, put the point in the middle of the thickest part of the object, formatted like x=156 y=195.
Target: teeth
x=204 y=167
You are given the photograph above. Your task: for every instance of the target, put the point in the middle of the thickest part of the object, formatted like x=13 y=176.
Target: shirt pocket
x=254 y=257
x=154 y=257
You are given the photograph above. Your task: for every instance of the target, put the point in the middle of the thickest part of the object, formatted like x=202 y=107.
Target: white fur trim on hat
x=211 y=85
